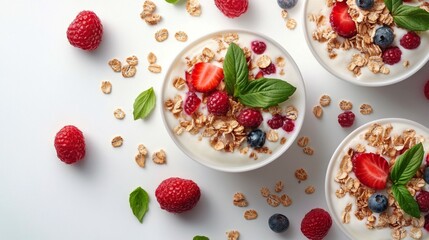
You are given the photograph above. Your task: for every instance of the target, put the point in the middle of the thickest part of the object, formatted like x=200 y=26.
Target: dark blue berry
x=365 y=4
x=383 y=36
x=377 y=203
x=256 y=138
x=426 y=175
x=287 y=4
x=278 y=223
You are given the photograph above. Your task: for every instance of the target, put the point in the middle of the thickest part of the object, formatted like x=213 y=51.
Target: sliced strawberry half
x=188 y=78
x=371 y=169
x=341 y=21
x=206 y=77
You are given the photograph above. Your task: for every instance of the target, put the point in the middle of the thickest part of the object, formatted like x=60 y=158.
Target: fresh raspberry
x=258 y=47
x=426 y=90
x=70 y=144
x=269 y=70
x=346 y=119
x=410 y=40
x=177 y=195
x=316 y=224
x=86 y=31
x=232 y=8
x=288 y=126
x=276 y=122
x=426 y=226
x=218 y=103
x=250 y=118
x=423 y=201
x=192 y=102
x=392 y=55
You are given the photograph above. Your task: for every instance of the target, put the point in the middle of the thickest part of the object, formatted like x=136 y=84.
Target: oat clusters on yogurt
x=385 y=142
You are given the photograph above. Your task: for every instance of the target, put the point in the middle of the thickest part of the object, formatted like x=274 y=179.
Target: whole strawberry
x=232 y=8
x=86 y=31
x=70 y=144
x=316 y=224
x=177 y=195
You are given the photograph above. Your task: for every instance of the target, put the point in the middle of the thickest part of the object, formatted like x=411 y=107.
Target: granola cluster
x=390 y=145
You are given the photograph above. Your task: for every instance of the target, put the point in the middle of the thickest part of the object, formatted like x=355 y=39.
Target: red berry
x=276 y=122
x=188 y=78
x=288 y=126
x=218 y=103
x=371 y=169
x=70 y=144
x=341 y=21
x=232 y=8
x=86 y=31
x=192 y=102
x=427 y=160
x=392 y=55
x=258 y=47
x=269 y=70
x=177 y=195
x=410 y=40
x=259 y=75
x=250 y=118
x=346 y=119
x=426 y=226
x=206 y=77
x=426 y=90
x=316 y=224
x=423 y=201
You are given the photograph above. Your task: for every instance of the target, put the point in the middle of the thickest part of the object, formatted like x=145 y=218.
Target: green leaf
x=139 y=201
x=172 y=1
x=392 y=5
x=407 y=164
x=235 y=70
x=411 y=18
x=405 y=200
x=144 y=104
x=200 y=238
x=266 y=92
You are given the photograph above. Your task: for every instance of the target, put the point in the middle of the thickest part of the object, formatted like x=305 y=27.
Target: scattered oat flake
x=308 y=150
x=310 y=189
x=303 y=141
x=151 y=58
x=106 y=87
x=291 y=23
x=318 y=111
x=284 y=13
x=154 y=68
x=179 y=83
x=239 y=200
x=406 y=63
x=263 y=62
x=193 y=7
x=142 y=149
x=132 y=60
x=152 y=19
x=140 y=159
x=161 y=35
x=265 y=192
x=365 y=109
x=181 y=36
x=232 y=235
x=283 y=140
x=345 y=105
x=250 y=214
x=115 y=64
x=285 y=200
x=301 y=174
x=119 y=114
x=279 y=186
x=159 y=157
x=280 y=61
x=325 y=100
x=273 y=200
x=117 y=141
x=128 y=71
x=272 y=135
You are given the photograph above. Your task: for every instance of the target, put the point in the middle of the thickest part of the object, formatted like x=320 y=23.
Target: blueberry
x=377 y=203
x=256 y=138
x=383 y=36
x=287 y=4
x=426 y=174
x=365 y=4
x=278 y=222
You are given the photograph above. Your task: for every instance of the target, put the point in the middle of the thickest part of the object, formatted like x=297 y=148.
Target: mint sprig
x=139 y=202
x=409 y=17
x=200 y=238
x=263 y=93
x=405 y=168
x=144 y=104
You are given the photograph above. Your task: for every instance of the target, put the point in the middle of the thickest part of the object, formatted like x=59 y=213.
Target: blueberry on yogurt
x=377 y=203
x=383 y=36
x=287 y=4
x=365 y=4
x=256 y=138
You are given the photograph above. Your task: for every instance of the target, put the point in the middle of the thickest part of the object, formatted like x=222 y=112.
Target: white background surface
x=47 y=84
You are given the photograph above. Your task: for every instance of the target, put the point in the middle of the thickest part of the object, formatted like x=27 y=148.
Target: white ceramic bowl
x=338 y=67
x=200 y=150
x=356 y=229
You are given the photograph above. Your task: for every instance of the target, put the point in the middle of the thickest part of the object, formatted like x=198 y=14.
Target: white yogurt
x=201 y=151
x=357 y=229
x=338 y=66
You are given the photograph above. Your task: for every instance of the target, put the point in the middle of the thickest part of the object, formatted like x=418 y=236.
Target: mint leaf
x=200 y=238
x=266 y=92
x=172 y=1
x=405 y=200
x=392 y=5
x=235 y=70
x=407 y=164
x=411 y=18
x=144 y=104
x=139 y=201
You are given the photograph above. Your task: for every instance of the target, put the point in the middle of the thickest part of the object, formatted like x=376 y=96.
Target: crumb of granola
x=106 y=87
x=193 y=7
x=291 y=23
x=325 y=100
x=283 y=140
x=318 y=111
x=263 y=61
x=308 y=150
x=366 y=109
x=161 y=35
x=128 y=71
x=132 y=60
x=265 y=192
x=179 y=83
x=279 y=186
x=181 y=36
x=301 y=174
x=115 y=64
x=303 y=141
x=250 y=214
x=310 y=190
x=239 y=200
x=119 y=114
x=406 y=63
x=232 y=235
x=273 y=200
x=159 y=157
x=345 y=105
x=117 y=141
x=148 y=14
x=285 y=200
x=284 y=14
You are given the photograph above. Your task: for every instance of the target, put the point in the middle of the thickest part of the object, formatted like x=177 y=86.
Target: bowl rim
x=274 y=155
x=335 y=155
x=352 y=79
